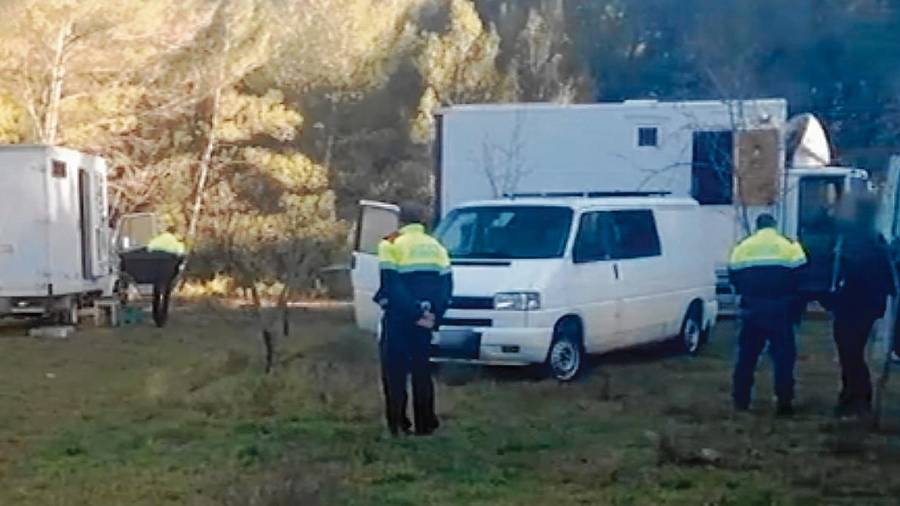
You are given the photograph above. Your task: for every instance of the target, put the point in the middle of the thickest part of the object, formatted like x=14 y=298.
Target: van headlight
x=517 y=301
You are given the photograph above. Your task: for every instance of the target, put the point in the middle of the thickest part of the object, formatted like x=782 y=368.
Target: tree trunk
x=268 y=339
x=215 y=118
x=269 y=349
x=57 y=81
x=284 y=312
x=205 y=163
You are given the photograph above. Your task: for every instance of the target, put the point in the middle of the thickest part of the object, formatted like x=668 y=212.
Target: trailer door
x=84 y=220
x=376 y=220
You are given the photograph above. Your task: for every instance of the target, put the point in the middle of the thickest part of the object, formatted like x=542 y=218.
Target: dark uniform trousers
x=758 y=330
x=851 y=336
x=404 y=355
x=866 y=283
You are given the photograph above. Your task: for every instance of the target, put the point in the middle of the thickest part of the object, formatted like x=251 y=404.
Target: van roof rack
x=591 y=195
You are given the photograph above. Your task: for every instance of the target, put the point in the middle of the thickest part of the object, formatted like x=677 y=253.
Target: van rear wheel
x=691 y=338
x=565 y=359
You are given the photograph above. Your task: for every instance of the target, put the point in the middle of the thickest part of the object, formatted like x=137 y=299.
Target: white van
x=544 y=280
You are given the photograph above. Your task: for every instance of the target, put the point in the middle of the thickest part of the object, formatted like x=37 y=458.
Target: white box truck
x=55 y=235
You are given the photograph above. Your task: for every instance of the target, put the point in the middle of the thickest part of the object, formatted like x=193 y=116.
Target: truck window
x=635 y=235
x=506 y=232
x=712 y=168
x=818 y=228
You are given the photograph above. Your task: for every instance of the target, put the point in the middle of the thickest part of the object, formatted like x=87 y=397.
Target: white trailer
x=55 y=252
x=736 y=158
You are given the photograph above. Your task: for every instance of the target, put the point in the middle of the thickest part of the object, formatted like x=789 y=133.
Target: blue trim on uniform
x=387 y=266
x=768 y=262
x=405 y=269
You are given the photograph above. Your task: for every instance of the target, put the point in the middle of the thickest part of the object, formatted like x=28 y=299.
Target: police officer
x=864 y=281
x=168 y=244
x=764 y=270
x=416 y=285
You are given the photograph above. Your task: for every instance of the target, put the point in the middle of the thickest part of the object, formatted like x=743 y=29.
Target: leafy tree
x=459 y=66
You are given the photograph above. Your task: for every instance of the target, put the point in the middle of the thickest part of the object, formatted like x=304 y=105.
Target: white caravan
x=736 y=158
x=55 y=249
x=546 y=280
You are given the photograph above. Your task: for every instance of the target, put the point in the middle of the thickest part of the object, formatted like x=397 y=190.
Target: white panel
x=24 y=226
x=535 y=148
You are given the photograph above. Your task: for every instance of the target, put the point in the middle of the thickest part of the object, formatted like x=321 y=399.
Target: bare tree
x=505 y=166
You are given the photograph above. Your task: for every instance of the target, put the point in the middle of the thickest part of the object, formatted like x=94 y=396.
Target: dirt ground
x=183 y=415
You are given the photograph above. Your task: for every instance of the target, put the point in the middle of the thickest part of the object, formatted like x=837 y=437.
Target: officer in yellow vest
x=416 y=286
x=167 y=242
x=764 y=270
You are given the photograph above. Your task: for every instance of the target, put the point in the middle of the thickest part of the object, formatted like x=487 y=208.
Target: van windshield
x=506 y=232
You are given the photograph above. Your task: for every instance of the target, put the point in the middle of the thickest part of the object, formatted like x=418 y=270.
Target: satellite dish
x=807 y=142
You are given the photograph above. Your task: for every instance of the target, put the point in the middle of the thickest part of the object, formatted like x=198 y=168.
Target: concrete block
x=52 y=332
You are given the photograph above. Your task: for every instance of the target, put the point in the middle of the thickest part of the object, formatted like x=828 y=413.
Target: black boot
x=784 y=409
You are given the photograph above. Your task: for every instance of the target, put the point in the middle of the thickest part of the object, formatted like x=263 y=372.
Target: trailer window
x=712 y=168
x=648 y=137
x=58 y=169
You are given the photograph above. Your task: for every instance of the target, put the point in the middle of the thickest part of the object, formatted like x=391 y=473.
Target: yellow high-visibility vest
x=167 y=243
x=413 y=251
x=767 y=248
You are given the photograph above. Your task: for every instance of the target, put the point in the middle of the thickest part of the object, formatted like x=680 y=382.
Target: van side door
x=645 y=284
x=593 y=289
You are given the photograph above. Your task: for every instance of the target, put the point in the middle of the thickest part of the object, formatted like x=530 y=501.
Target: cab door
x=376 y=220
x=594 y=290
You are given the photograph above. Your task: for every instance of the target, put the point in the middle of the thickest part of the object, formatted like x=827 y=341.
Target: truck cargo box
x=54 y=231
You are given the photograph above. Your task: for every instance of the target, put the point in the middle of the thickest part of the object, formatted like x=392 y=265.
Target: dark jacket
x=865 y=279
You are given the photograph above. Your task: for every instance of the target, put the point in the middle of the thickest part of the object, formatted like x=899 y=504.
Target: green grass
x=184 y=416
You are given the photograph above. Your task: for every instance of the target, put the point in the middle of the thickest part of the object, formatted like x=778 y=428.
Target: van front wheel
x=565 y=360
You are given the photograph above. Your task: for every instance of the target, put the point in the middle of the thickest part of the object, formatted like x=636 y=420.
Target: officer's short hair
x=413 y=214
x=765 y=220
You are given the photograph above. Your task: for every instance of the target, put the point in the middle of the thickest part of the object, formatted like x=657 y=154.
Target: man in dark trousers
x=764 y=270
x=416 y=285
x=864 y=282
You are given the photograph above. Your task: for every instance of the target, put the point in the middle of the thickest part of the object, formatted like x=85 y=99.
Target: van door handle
x=616 y=270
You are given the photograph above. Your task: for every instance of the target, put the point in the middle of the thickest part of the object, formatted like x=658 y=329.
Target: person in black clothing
x=864 y=281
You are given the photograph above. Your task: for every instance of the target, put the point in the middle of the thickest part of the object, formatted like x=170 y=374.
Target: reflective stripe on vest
x=767 y=248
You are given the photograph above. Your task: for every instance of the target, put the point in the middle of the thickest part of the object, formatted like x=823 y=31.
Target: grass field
x=141 y=416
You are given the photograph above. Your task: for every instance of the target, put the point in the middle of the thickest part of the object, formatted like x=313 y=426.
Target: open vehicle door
x=889 y=227
x=376 y=220
x=135 y=231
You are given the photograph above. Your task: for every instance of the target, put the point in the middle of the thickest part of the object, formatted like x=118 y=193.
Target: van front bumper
x=492 y=346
